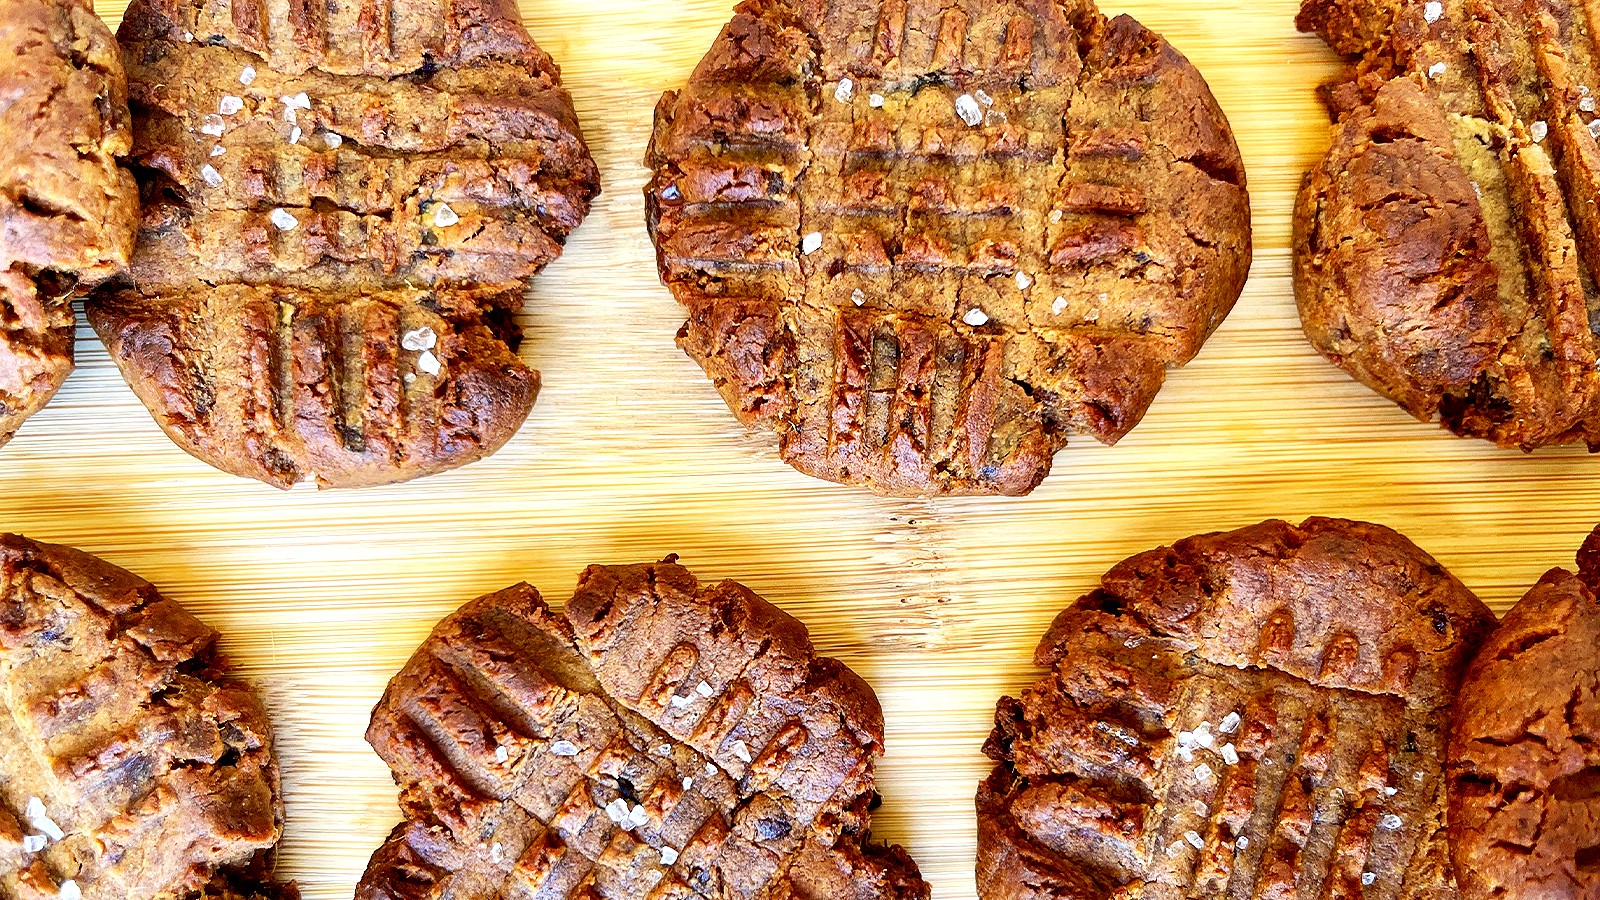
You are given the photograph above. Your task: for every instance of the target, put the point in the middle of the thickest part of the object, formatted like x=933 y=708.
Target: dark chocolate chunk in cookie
x=926 y=243
x=67 y=207
x=131 y=763
x=344 y=204
x=660 y=739
x=1257 y=713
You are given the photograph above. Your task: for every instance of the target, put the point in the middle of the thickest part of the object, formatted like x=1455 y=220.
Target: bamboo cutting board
x=630 y=455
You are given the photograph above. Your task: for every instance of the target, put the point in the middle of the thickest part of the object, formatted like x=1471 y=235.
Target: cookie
x=131 y=763
x=1446 y=247
x=660 y=738
x=925 y=244
x=1525 y=804
x=1263 y=712
x=67 y=207
x=344 y=205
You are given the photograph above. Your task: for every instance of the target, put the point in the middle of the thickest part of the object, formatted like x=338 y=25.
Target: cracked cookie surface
x=659 y=739
x=1446 y=249
x=67 y=207
x=1257 y=713
x=926 y=243
x=344 y=205
x=1525 y=759
x=131 y=763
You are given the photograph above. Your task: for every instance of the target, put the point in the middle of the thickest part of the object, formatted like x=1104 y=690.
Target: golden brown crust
x=661 y=739
x=1525 y=758
x=123 y=731
x=344 y=206
x=926 y=245
x=1261 y=712
x=67 y=207
x=1446 y=249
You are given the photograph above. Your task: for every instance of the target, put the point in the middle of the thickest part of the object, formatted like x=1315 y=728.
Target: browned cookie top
x=67 y=208
x=1258 y=713
x=1525 y=759
x=662 y=739
x=344 y=205
x=925 y=243
x=1447 y=247
x=131 y=765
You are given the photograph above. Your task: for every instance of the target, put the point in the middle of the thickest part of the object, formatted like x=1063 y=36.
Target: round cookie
x=1447 y=246
x=1261 y=712
x=131 y=763
x=345 y=204
x=67 y=207
x=926 y=243
x=1525 y=758
x=659 y=739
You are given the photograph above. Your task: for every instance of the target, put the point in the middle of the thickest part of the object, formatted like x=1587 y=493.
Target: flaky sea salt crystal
x=668 y=856
x=496 y=852
x=976 y=317
x=845 y=91
x=1437 y=69
x=33 y=843
x=703 y=689
x=967 y=109
x=1202 y=736
x=283 y=219
x=213 y=125
x=1194 y=839
x=501 y=753
x=427 y=362
x=617 y=810
x=69 y=890
x=248 y=76
x=1586 y=104
x=875 y=101
x=444 y=216
x=811 y=243
x=218 y=150
x=1433 y=11
x=636 y=817
x=1390 y=791
x=1391 y=822
x=230 y=105
x=294 y=134
x=1184 y=753
x=741 y=751
x=1229 y=723
x=1539 y=131
x=564 y=748
x=333 y=140
x=681 y=702
x=1203 y=772
x=1242 y=843
x=1185 y=739
x=1368 y=877
x=297 y=101
x=421 y=339
x=857 y=297
x=211 y=175
x=1230 y=755
x=1024 y=281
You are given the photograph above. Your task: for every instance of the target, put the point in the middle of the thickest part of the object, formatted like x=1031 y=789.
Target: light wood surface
x=630 y=455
